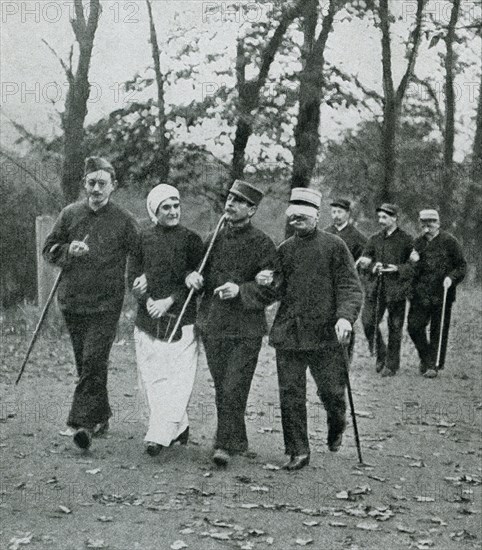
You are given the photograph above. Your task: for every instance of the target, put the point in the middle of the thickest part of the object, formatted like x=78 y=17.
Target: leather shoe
x=431 y=373
x=334 y=445
x=153 y=449
x=221 y=457
x=387 y=372
x=380 y=366
x=83 y=438
x=182 y=438
x=297 y=462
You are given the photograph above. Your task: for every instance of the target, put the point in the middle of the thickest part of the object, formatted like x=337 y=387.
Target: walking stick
x=442 y=322
x=39 y=324
x=41 y=320
x=200 y=270
x=350 y=400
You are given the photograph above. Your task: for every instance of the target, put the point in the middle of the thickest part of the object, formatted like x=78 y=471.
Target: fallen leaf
x=95 y=543
x=337 y=524
x=269 y=540
x=303 y=542
x=93 y=472
x=404 y=529
x=311 y=523
x=178 y=545
x=417 y=464
x=64 y=509
x=343 y=495
x=249 y=506
x=16 y=542
x=367 y=526
x=421 y=498
x=105 y=519
x=270 y=467
x=259 y=489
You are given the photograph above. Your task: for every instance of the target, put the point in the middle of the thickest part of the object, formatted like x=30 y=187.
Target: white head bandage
x=157 y=196
x=302 y=210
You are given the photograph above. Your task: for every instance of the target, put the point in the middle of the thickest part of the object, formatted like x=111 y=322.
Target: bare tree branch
x=67 y=70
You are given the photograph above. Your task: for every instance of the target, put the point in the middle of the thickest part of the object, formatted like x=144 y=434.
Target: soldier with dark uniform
x=386 y=256
x=354 y=239
x=91 y=241
x=439 y=264
x=320 y=297
x=231 y=317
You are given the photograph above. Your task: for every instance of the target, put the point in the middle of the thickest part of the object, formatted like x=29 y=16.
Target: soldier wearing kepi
x=231 y=316
x=91 y=241
x=439 y=266
x=340 y=214
x=320 y=298
x=386 y=256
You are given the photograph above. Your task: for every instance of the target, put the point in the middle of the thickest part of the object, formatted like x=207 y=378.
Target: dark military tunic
x=354 y=239
x=166 y=255
x=232 y=330
x=319 y=286
x=91 y=293
x=391 y=289
x=439 y=258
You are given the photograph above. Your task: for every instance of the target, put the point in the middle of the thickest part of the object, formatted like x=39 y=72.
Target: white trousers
x=166 y=375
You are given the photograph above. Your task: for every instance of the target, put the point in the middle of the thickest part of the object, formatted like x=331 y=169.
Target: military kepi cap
x=94 y=164
x=305 y=196
x=341 y=203
x=429 y=214
x=388 y=208
x=247 y=192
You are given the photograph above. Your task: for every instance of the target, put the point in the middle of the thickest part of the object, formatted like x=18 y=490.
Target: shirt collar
x=341 y=227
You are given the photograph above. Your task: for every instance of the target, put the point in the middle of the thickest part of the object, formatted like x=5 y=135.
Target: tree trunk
x=161 y=163
x=447 y=189
x=306 y=134
x=76 y=103
x=249 y=91
x=393 y=99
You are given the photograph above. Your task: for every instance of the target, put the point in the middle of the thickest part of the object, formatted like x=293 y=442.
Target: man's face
x=169 y=212
x=238 y=210
x=430 y=227
x=99 y=187
x=386 y=221
x=302 y=224
x=339 y=215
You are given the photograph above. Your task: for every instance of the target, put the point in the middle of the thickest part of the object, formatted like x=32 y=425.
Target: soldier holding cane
x=91 y=289
x=386 y=256
x=321 y=297
x=439 y=267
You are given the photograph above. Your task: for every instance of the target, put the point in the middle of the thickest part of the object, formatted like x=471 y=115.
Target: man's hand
x=364 y=262
x=139 y=286
x=158 y=308
x=343 y=330
x=194 y=280
x=377 y=268
x=447 y=282
x=78 y=249
x=265 y=277
x=414 y=256
x=228 y=291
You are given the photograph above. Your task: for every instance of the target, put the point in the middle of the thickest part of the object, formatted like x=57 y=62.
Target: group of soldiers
x=319 y=278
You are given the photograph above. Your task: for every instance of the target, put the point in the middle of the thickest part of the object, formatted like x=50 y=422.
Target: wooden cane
x=442 y=322
x=200 y=270
x=350 y=400
x=41 y=320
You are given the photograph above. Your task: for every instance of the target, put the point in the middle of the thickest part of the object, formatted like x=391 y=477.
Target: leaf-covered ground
x=420 y=486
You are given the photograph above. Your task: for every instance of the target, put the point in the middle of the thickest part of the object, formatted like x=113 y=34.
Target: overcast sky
x=31 y=76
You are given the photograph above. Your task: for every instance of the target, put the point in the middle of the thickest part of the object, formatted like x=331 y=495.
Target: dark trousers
x=386 y=355
x=232 y=363
x=92 y=336
x=328 y=370
x=419 y=317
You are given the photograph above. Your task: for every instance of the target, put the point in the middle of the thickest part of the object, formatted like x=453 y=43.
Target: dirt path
x=421 y=487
